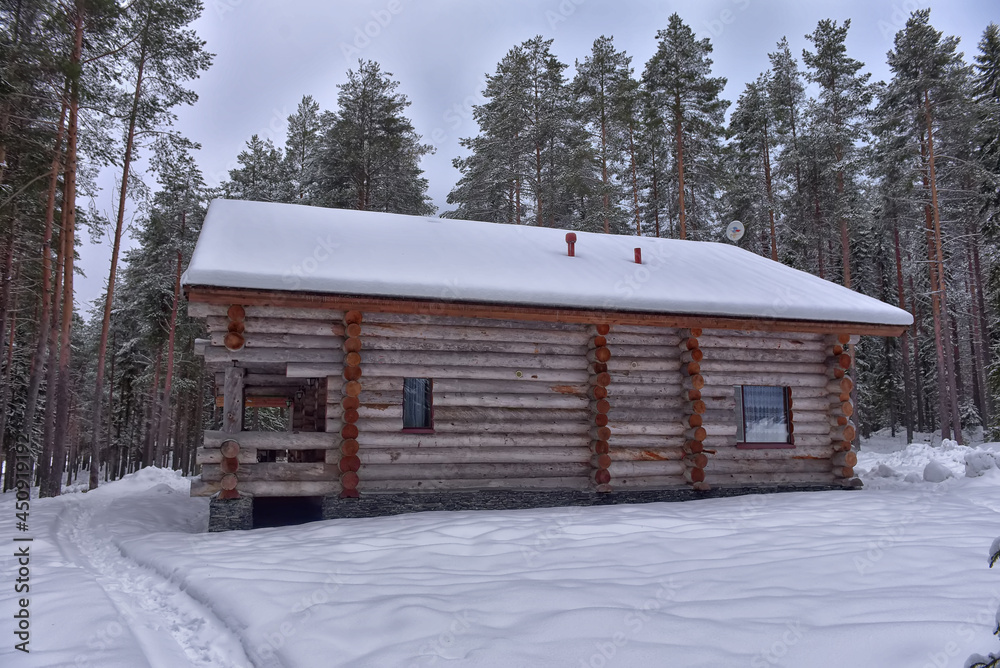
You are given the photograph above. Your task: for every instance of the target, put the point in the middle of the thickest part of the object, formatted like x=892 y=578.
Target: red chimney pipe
x=571 y=242
x=638 y=256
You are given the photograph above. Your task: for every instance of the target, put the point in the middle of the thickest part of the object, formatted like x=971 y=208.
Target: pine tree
x=262 y=175
x=786 y=95
x=163 y=54
x=605 y=92
x=684 y=93
x=493 y=175
x=927 y=80
x=302 y=150
x=371 y=154
x=751 y=127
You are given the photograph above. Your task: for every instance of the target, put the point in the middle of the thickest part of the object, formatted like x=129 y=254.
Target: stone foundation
x=230 y=514
x=375 y=505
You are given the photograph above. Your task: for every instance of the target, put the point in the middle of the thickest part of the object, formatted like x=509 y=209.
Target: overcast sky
x=269 y=53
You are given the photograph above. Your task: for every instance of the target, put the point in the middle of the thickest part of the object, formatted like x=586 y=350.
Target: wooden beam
x=304 y=300
x=258 y=402
x=275 y=440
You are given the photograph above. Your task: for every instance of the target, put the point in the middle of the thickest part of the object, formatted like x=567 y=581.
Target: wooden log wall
x=261 y=341
x=645 y=394
x=797 y=361
x=511 y=408
x=523 y=405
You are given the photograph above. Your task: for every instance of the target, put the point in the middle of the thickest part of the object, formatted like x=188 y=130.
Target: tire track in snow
x=168 y=623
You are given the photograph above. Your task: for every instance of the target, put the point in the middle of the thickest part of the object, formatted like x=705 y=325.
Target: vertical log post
x=842 y=432
x=598 y=355
x=232 y=423
x=692 y=382
x=350 y=463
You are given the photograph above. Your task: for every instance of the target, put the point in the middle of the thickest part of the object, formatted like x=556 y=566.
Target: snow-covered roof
x=268 y=246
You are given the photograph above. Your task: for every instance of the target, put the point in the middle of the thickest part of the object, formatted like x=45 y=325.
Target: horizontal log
x=743 y=479
x=270 y=489
x=650 y=482
x=764 y=356
x=633 y=364
x=717 y=465
x=448 y=399
x=823 y=452
x=523 y=385
x=672 y=407
x=471 y=359
x=651 y=429
x=528 y=347
x=472 y=471
x=458 y=333
x=760 y=347
x=214 y=456
x=524 y=427
x=666 y=340
x=771 y=335
x=619 y=469
x=215 y=354
x=274 y=472
x=720 y=379
x=203 y=310
x=293 y=341
x=647 y=441
x=621 y=386
x=473 y=455
x=620 y=454
x=275 y=440
x=712 y=365
x=458 y=440
x=475 y=373
x=377 y=317
x=620 y=415
x=482 y=414
x=577 y=483
x=280 y=326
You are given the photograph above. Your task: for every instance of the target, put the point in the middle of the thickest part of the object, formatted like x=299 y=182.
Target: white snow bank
x=289 y=247
x=935 y=471
x=824 y=579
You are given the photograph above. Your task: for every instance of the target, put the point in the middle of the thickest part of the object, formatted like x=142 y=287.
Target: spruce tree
x=686 y=96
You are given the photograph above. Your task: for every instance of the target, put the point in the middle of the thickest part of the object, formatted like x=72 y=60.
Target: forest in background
x=890 y=188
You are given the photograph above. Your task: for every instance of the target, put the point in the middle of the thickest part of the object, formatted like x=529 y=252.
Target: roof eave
x=278 y=298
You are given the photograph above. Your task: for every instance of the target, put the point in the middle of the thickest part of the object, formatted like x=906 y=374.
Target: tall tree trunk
x=770 y=196
x=5 y=392
x=113 y=459
x=168 y=382
x=69 y=203
x=905 y=342
x=976 y=339
x=680 y=176
x=956 y=417
x=604 y=160
x=152 y=428
x=635 y=183
x=38 y=360
x=984 y=325
x=102 y=350
x=932 y=267
x=7 y=280
x=918 y=376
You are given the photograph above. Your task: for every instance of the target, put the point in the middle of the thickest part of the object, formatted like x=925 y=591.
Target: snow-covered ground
x=894 y=575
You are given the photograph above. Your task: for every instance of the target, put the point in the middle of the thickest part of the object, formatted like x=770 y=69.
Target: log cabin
x=407 y=362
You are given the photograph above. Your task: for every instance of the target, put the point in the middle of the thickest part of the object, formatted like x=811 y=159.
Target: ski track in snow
x=148 y=603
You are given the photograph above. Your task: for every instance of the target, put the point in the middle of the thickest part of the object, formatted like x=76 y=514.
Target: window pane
x=765 y=417
x=416 y=403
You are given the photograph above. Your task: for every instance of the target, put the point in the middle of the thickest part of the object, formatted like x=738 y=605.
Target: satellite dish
x=735 y=230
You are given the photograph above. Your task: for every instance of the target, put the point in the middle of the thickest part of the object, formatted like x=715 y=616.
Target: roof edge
x=470 y=309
